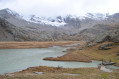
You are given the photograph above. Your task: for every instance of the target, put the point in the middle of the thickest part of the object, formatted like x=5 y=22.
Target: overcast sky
x=61 y=7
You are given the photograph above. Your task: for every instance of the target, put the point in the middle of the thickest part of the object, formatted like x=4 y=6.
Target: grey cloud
x=60 y=7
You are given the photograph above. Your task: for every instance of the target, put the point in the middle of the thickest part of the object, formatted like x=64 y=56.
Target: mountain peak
x=97 y=16
x=7 y=11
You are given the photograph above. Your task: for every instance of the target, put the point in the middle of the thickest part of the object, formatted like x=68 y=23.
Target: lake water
x=12 y=60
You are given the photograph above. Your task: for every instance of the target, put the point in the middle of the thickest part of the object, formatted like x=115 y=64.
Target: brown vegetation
x=62 y=73
x=71 y=56
x=35 y=44
x=91 y=53
x=87 y=54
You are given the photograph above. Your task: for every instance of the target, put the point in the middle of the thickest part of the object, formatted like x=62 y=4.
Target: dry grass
x=95 y=54
x=72 y=56
x=91 y=53
x=35 y=44
x=54 y=73
x=60 y=76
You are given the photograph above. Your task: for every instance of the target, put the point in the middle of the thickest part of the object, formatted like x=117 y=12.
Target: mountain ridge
x=74 y=28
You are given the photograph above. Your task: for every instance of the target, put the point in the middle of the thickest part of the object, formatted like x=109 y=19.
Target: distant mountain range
x=14 y=27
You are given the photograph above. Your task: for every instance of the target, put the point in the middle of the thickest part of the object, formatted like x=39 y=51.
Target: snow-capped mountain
x=55 y=21
x=97 y=16
x=58 y=21
x=71 y=23
x=14 y=13
x=13 y=26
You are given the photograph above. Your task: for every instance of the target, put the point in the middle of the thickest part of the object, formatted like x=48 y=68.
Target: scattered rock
x=29 y=74
x=118 y=58
x=103 y=68
x=71 y=74
x=9 y=74
x=92 y=45
x=104 y=47
x=106 y=38
x=115 y=38
x=108 y=63
x=39 y=72
x=117 y=54
x=81 y=48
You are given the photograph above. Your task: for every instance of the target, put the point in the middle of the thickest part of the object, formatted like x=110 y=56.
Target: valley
x=60 y=47
x=76 y=54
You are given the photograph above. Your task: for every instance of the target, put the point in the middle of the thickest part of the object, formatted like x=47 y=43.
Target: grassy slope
x=95 y=54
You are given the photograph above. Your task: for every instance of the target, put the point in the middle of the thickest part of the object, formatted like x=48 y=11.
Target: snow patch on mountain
x=60 y=20
x=54 y=21
x=97 y=16
x=13 y=13
x=57 y=21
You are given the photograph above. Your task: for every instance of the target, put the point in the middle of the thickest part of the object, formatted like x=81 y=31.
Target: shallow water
x=12 y=60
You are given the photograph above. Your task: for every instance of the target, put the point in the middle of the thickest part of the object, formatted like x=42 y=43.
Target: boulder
x=115 y=39
x=106 y=38
x=104 y=47
x=91 y=45
x=117 y=54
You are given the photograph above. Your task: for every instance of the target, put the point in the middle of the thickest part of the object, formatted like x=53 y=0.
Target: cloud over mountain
x=60 y=7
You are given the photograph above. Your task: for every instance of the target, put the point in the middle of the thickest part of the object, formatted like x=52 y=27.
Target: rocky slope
x=92 y=27
x=101 y=32
x=5 y=35
x=22 y=30
x=10 y=32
